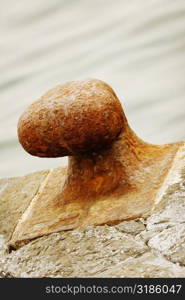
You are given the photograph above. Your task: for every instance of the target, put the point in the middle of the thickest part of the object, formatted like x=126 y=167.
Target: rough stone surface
x=150 y=247
x=83 y=253
x=15 y=196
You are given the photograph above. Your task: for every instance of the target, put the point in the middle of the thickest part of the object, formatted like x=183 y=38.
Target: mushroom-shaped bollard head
x=71 y=119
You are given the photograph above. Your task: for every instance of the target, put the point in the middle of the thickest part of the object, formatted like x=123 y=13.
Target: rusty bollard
x=112 y=175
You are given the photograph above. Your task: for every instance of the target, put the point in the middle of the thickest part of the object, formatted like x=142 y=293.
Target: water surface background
x=137 y=46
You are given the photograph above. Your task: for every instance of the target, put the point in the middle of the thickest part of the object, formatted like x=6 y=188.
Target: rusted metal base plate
x=45 y=215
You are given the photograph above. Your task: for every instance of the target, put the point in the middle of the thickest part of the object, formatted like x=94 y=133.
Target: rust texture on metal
x=71 y=119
